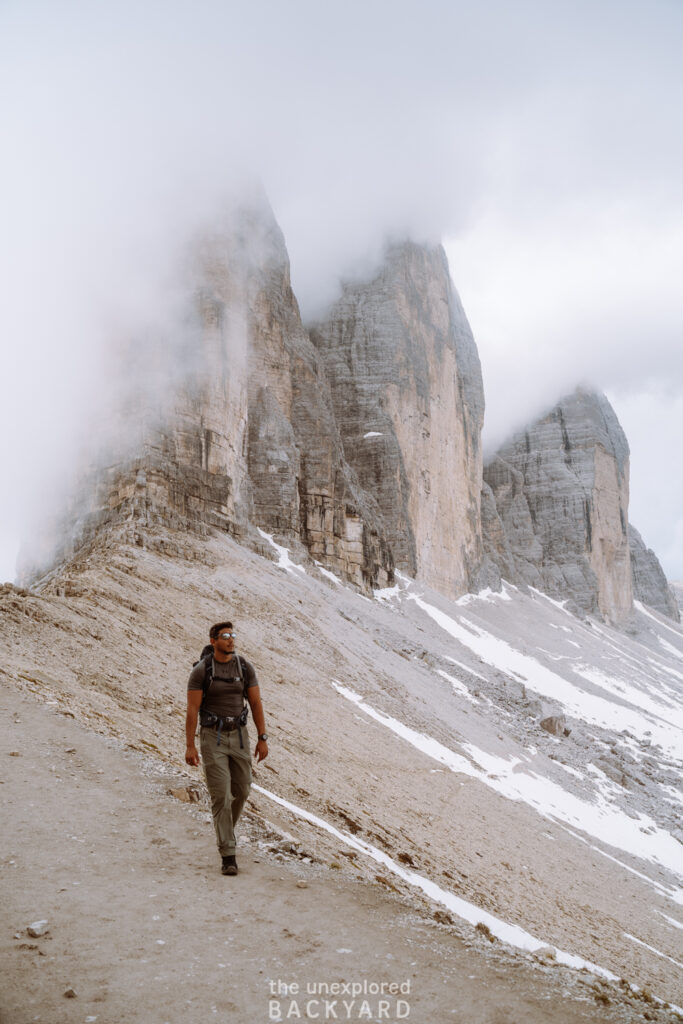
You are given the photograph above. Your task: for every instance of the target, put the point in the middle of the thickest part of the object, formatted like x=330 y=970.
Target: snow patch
x=465 y=668
x=678 y=633
x=653 y=950
x=484 y=595
x=671 y=920
x=510 y=933
x=601 y=819
x=457 y=685
x=327 y=574
x=670 y=647
x=387 y=593
x=284 y=561
x=542 y=680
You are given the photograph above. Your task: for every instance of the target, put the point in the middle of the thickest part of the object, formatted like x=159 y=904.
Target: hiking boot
x=229 y=866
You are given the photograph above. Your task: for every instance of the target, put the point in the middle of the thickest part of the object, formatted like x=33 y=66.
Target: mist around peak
x=537 y=143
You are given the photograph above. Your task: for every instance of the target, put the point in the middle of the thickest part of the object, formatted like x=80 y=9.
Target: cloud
x=540 y=139
x=653 y=422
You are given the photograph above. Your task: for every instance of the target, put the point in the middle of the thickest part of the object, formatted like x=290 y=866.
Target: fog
x=541 y=141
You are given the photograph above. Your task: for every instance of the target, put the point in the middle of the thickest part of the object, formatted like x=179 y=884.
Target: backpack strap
x=242 y=679
x=208 y=675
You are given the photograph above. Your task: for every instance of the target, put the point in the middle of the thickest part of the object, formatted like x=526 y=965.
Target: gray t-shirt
x=225 y=693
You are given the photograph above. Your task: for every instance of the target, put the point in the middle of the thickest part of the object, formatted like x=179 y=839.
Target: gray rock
x=545 y=954
x=560 y=507
x=358 y=443
x=556 y=725
x=232 y=424
x=186 y=794
x=650 y=585
x=38 y=928
x=406 y=386
x=362 y=449
x=302 y=487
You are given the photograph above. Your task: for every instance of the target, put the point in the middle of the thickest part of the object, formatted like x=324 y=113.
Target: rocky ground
x=141 y=926
x=94 y=670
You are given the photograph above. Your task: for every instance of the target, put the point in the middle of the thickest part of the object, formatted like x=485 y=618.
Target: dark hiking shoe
x=229 y=866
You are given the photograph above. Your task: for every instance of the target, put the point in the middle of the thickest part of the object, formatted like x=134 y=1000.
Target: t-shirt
x=225 y=693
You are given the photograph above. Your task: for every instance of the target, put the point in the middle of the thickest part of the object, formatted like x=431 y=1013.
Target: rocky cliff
x=231 y=425
x=357 y=441
x=649 y=582
x=556 y=506
x=406 y=387
x=301 y=485
x=364 y=447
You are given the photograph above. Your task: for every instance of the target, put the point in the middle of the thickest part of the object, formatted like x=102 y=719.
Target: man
x=224 y=740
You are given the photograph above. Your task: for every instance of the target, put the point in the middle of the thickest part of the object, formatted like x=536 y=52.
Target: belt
x=211 y=721
x=225 y=724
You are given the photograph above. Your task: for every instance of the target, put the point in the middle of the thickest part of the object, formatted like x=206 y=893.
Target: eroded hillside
x=405 y=731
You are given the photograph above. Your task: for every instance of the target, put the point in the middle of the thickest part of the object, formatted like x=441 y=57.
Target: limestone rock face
x=407 y=393
x=231 y=424
x=302 y=487
x=561 y=496
x=358 y=442
x=176 y=450
x=649 y=582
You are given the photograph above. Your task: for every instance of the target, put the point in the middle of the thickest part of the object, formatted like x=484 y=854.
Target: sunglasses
x=226 y=636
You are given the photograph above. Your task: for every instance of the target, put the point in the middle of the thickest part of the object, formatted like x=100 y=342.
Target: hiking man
x=216 y=692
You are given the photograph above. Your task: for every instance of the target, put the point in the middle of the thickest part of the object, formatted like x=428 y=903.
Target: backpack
x=207 y=657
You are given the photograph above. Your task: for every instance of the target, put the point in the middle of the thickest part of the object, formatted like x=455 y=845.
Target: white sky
x=542 y=141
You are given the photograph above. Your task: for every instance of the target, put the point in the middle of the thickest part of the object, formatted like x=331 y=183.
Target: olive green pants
x=227 y=770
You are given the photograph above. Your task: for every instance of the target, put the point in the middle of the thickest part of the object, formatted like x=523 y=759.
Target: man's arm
x=194 y=699
x=254 y=698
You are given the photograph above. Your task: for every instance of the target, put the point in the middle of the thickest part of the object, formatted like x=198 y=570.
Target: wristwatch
x=263 y=736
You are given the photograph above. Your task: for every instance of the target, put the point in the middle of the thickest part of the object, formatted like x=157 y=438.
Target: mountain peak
x=560 y=490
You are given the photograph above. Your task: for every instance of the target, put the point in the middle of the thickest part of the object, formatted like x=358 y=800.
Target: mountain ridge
x=359 y=440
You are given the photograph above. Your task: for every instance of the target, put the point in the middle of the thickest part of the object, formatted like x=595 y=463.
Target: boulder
x=556 y=725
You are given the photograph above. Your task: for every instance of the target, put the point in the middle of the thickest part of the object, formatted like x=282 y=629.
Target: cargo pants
x=227 y=770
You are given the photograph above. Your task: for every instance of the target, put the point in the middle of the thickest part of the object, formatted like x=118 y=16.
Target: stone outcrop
x=406 y=386
x=649 y=582
x=557 y=509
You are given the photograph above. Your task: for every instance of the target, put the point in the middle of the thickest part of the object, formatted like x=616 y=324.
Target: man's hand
x=261 y=751
x=192 y=756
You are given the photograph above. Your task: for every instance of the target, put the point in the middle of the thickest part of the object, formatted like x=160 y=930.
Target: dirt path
x=143 y=927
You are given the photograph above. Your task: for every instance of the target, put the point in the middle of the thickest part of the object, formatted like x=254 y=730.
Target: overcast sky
x=542 y=141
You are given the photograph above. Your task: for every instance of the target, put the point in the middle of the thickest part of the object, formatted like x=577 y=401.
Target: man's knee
x=240 y=787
